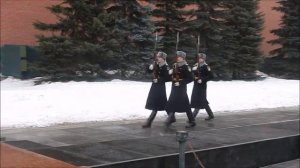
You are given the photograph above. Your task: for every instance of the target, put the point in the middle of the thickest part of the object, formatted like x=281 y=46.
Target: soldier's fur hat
x=181 y=54
x=202 y=55
x=162 y=54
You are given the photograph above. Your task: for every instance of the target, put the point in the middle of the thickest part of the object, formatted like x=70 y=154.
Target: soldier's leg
x=209 y=112
x=191 y=118
x=173 y=119
x=150 y=119
x=170 y=119
x=195 y=112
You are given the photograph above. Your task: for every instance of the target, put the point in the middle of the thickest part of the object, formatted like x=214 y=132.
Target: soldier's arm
x=165 y=77
x=208 y=74
x=187 y=75
x=195 y=71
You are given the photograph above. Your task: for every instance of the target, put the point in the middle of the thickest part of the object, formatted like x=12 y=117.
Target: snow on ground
x=23 y=104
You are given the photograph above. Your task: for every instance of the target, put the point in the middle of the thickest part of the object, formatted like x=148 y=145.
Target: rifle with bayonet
x=197 y=73
x=154 y=74
x=175 y=66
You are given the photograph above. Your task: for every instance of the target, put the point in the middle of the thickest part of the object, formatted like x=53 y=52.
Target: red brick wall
x=272 y=21
x=17 y=17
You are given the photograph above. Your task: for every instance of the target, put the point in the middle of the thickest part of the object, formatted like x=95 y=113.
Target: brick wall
x=17 y=17
x=272 y=21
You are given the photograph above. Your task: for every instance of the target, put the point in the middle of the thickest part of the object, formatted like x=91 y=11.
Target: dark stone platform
x=239 y=139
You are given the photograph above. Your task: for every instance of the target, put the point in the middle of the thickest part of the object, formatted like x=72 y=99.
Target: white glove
x=155 y=80
x=194 y=68
x=199 y=81
x=151 y=67
x=176 y=83
x=170 y=71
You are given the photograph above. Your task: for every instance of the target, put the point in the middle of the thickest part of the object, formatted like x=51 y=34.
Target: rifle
x=177 y=42
x=198 y=47
x=154 y=74
x=176 y=74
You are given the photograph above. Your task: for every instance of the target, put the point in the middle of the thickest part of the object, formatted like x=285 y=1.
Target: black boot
x=195 y=112
x=173 y=119
x=191 y=118
x=170 y=119
x=210 y=113
x=150 y=119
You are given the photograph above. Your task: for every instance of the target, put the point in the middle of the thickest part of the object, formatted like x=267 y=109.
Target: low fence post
x=181 y=138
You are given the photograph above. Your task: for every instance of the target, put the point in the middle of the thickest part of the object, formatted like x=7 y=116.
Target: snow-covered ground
x=23 y=104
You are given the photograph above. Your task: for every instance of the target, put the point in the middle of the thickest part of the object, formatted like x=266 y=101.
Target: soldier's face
x=179 y=59
x=200 y=60
x=159 y=59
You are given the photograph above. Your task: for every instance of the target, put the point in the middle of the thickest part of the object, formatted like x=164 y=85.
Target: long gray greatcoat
x=198 y=98
x=157 y=97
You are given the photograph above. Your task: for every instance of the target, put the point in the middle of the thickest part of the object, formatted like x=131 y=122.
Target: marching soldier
x=202 y=74
x=178 y=100
x=157 y=97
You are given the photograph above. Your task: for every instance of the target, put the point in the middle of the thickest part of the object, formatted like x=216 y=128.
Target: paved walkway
x=97 y=143
x=13 y=157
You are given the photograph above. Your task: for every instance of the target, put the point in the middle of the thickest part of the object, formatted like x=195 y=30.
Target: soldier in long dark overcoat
x=178 y=100
x=157 y=97
x=202 y=74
